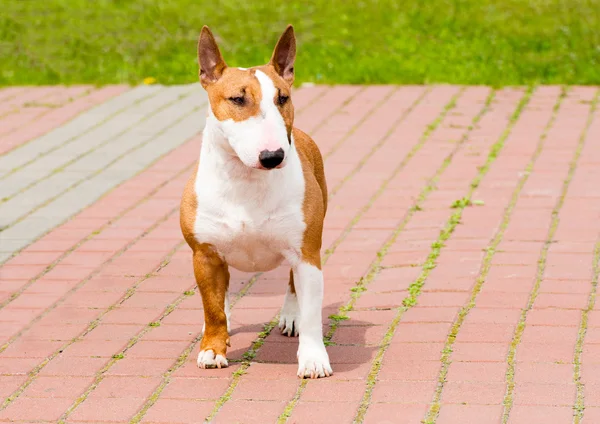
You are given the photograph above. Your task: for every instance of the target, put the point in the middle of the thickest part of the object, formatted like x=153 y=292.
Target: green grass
x=500 y=42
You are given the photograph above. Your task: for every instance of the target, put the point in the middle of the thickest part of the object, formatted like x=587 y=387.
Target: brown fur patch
x=235 y=83
x=187 y=210
x=212 y=277
x=315 y=197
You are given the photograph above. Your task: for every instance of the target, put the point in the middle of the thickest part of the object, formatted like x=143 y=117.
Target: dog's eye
x=282 y=99
x=237 y=101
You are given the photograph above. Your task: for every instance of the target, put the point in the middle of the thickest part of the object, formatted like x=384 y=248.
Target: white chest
x=252 y=223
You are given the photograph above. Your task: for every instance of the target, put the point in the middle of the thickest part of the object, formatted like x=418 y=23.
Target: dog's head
x=252 y=107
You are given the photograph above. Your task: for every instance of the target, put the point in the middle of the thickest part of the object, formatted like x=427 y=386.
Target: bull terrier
x=257 y=197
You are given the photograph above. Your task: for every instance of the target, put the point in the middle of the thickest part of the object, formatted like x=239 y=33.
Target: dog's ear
x=284 y=55
x=210 y=60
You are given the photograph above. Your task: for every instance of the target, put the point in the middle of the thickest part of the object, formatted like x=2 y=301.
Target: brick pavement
x=461 y=258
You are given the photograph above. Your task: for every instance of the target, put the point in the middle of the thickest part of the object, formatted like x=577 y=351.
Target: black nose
x=269 y=159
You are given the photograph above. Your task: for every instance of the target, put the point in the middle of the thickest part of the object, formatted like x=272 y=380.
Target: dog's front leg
x=212 y=277
x=313 y=360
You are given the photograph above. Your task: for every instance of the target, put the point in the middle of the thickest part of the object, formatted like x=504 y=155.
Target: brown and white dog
x=258 y=197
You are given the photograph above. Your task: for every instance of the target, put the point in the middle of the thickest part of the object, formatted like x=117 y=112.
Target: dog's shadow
x=347 y=343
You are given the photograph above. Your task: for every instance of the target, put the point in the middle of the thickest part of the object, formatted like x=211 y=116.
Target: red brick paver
x=461 y=251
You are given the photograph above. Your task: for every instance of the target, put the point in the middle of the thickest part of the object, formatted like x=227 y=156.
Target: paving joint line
x=361 y=121
x=331 y=114
x=434 y=407
x=520 y=328
x=11 y=96
x=314 y=100
x=17 y=108
x=342 y=105
x=415 y=288
x=249 y=354
x=579 y=405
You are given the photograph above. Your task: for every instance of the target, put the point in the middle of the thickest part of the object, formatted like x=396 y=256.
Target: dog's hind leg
x=289 y=317
x=212 y=277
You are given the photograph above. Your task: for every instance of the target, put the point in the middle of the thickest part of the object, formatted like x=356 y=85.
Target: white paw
x=289 y=317
x=313 y=361
x=207 y=359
